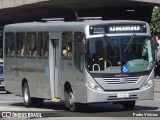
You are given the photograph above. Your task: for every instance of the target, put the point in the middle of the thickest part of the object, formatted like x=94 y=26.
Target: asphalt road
x=50 y=110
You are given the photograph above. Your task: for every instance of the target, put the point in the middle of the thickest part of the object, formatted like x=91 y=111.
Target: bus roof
x=58 y=26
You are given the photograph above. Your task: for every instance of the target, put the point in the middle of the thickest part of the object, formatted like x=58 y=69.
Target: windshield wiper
x=129 y=43
x=106 y=38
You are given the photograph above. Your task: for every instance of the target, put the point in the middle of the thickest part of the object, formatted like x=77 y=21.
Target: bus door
x=54 y=63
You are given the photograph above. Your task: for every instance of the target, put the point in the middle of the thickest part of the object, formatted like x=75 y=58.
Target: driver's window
x=145 y=51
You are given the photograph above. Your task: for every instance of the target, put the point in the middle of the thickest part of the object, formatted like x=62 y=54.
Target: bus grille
x=125 y=80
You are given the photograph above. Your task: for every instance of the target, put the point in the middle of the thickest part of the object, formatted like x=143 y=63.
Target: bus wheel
x=26 y=95
x=70 y=102
x=129 y=105
x=66 y=99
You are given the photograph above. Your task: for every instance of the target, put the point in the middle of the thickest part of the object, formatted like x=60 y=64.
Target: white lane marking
x=10 y=98
x=9 y=108
x=9 y=101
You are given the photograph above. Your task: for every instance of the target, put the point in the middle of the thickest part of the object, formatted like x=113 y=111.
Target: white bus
x=79 y=62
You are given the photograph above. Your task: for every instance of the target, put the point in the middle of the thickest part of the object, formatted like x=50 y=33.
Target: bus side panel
x=12 y=75
x=37 y=74
x=34 y=71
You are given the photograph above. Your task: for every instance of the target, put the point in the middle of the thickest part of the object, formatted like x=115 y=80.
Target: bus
x=80 y=63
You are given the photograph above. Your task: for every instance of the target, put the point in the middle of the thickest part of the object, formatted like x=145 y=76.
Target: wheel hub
x=71 y=99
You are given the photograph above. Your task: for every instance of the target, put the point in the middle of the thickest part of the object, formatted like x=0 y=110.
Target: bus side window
x=31 y=44
x=20 y=44
x=78 y=46
x=67 y=38
x=9 y=44
x=43 y=44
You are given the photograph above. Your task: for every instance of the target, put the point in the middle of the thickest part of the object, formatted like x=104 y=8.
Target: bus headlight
x=93 y=86
x=147 y=84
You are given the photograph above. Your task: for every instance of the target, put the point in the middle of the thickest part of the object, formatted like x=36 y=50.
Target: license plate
x=122 y=95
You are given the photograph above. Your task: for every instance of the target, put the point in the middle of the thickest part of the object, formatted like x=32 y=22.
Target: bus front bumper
x=94 y=96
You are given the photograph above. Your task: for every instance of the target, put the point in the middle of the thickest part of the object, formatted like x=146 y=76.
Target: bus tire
x=26 y=95
x=66 y=99
x=129 y=105
x=70 y=102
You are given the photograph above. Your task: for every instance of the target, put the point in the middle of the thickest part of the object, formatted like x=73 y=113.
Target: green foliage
x=155 y=21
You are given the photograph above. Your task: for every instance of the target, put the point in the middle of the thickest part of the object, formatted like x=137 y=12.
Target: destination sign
x=118 y=28
x=124 y=28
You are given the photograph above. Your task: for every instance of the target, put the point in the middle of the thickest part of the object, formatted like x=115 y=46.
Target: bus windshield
x=119 y=54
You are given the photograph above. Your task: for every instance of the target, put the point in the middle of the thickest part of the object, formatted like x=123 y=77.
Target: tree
x=155 y=21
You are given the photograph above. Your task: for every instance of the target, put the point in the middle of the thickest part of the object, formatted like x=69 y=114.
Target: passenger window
x=20 y=44
x=31 y=45
x=67 y=38
x=43 y=44
x=9 y=44
x=78 y=46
